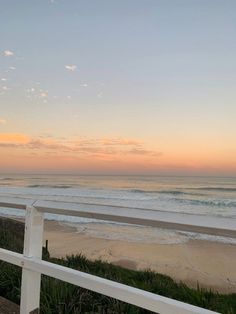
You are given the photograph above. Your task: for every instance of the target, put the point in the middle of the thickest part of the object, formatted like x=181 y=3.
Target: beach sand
x=195 y=262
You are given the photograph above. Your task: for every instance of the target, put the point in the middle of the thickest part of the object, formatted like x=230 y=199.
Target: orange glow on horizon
x=14 y=138
x=20 y=152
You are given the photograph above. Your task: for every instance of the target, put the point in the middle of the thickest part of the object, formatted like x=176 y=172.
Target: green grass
x=59 y=297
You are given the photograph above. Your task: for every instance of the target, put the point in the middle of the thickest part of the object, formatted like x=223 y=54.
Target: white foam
x=176 y=202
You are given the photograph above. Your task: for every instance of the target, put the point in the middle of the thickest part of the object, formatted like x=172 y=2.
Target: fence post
x=31 y=280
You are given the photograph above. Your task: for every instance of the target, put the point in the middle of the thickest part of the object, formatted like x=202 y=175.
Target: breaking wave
x=217 y=189
x=49 y=186
x=173 y=192
x=211 y=203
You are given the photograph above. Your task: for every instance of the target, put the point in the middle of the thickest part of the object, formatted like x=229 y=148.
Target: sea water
x=212 y=196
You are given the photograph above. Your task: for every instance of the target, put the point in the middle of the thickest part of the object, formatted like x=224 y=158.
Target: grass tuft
x=58 y=297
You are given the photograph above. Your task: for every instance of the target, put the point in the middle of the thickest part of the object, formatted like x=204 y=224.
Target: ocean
x=213 y=196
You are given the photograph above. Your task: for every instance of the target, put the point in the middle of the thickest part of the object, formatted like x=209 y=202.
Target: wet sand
x=209 y=264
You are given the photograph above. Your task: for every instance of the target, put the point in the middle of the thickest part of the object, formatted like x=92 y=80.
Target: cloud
x=120 y=141
x=141 y=151
x=37 y=143
x=14 y=138
x=3 y=121
x=8 y=53
x=5 y=88
x=36 y=93
x=99 y=95
x=111 y=148
x=71 y=67
x=11 y=68
x=43 y=94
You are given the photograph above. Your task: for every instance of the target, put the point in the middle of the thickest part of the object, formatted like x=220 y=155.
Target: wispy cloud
x=30 y=90
x=5 y=88
x=110 y=148
x=8 y=53
x=36 y=93
x=14 y=138
x=3 y=121
x=144 y=152
x=43 y=94
x=71 y=67
x=120 y=141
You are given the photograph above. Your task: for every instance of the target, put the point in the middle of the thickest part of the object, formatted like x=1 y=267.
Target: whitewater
x=197 y=195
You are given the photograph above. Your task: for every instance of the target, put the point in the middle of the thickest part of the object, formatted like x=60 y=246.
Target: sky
x=118 y=87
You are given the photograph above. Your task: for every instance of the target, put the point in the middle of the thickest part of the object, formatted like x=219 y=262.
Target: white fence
x=33 y=265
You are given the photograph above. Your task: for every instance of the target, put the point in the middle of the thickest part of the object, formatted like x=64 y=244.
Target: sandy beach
x=209 y=264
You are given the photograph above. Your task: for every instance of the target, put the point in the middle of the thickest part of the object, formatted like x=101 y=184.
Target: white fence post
x=31 y=280
x=33 y=266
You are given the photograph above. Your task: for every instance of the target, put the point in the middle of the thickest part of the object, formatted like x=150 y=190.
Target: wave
x=49 y=186
x=179 y=192
x=212 y=203
x=173 y=192
x=140 y=191
x=206 y=188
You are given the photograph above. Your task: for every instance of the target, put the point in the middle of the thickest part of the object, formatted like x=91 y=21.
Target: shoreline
x=195 y=262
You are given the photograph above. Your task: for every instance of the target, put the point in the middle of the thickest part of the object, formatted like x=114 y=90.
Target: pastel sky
x=118 y=87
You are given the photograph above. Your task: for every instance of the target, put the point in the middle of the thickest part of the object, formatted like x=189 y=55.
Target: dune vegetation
x=59 y=297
